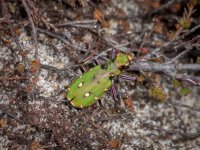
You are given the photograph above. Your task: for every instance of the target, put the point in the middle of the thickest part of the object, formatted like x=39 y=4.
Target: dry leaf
x=158 y=28
x=115 y=143
x=140 y=78
x=129 y=103
x=34 y=66
x=18 y=31
x=175 y=8
x=98 y=15
x=3 y=122
x=20 y=67
x=28 y=89
x=144 y=51
x=35 y=80
x=35 y=145
x=170 y=35
x=123 y=23
x=155 y=4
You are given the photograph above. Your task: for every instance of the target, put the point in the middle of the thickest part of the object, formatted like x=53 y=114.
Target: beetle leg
x=125 y=77
x=114 y=93
x=113 y=54
x=82 y=69
x=100 y=103
x=96 y=62
x=90 y=117
x=62 y=91
x=93 y=114
x=103 y=66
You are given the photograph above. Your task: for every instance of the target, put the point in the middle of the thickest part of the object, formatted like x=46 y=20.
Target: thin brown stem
x=34 y=31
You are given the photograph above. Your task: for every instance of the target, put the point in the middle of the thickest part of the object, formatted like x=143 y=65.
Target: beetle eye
x=103 y=66
x=126 y=66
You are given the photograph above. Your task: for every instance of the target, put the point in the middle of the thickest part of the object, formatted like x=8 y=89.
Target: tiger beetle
x=92 y=85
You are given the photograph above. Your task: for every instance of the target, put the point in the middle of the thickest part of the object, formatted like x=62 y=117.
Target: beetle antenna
x=114 y=93
x=113 y=54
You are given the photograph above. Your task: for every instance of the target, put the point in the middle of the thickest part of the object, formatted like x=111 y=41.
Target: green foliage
x=185 y=23
x=185 y=91
x=157 y=93
x=198 y=60
x=176 y=83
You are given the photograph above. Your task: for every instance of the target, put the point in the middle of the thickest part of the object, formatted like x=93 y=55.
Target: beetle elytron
x=91 y=86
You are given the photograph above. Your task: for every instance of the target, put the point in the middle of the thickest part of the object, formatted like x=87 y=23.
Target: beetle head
x=123 y=59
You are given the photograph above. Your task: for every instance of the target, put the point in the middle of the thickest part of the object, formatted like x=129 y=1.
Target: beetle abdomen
x=89 y=87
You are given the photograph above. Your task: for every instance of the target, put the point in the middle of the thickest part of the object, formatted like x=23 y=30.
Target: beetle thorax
x=113 y=69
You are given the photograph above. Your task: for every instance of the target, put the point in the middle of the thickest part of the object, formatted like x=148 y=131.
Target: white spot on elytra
x=87 y=94
x=72 y=103
x=80 y=84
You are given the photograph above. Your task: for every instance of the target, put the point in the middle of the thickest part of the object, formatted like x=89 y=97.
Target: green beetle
x=91 y=86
